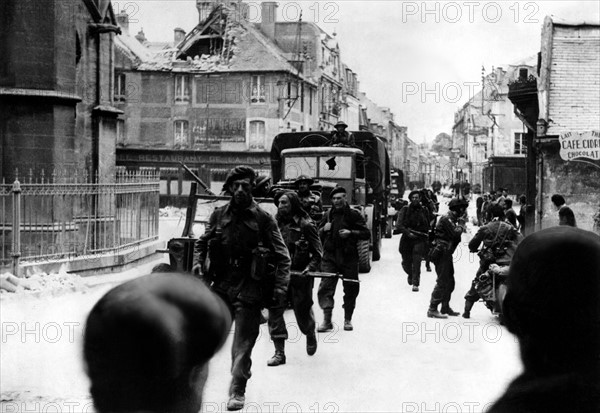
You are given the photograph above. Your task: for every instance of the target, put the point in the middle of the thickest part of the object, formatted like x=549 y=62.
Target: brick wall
x=574 y=101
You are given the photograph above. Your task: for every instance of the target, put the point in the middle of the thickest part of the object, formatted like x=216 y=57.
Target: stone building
x=562 y=112
x=488 y=134
x=56 y=83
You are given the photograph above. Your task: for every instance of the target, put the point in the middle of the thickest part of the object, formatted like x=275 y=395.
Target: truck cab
x=331 y=166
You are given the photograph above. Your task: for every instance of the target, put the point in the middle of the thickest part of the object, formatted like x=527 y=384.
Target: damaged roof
x=242 y=48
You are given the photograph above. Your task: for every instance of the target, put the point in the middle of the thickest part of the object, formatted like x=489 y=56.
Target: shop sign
x=576 y=145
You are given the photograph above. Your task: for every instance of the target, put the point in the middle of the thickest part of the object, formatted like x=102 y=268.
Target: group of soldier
x=253 y=260
x=424 y=236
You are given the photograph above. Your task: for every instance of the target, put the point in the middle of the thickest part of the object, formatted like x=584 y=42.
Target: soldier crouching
x=237 y=241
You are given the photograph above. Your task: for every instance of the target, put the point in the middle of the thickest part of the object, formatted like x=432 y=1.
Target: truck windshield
x=328 y=167
x=335 y=167
x=300 y=165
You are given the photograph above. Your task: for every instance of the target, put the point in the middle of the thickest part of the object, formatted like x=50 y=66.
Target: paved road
x=396 y=359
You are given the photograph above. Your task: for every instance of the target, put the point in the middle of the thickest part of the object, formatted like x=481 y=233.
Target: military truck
x=363 y=170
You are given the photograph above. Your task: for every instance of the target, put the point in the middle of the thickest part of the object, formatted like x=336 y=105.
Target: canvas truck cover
x=373 y=147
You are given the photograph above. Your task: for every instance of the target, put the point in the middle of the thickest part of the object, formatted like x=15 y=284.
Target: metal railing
x=65 y=216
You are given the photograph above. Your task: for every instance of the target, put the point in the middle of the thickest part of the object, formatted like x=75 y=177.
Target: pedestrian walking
x=448 y=233
x=552 y=305
x=500 y=240
x=340 y=230
x=302 y=240
x=148 y=343
x=249 y=268
x=413 y=223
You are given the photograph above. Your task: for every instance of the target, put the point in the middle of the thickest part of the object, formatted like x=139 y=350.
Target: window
x=120 y=88
x=257 y=89
x=520 y=148
x=302 y=97
x=310 y=101
x=181 y=133
x=257 y=134
x=182 y=89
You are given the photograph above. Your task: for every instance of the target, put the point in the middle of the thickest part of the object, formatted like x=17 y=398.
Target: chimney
x=205 y=7
x=268 y=14
x=179 y=35
x=123 y=22
x=141 y=37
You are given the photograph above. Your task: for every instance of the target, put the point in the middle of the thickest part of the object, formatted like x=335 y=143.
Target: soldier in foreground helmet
x=552 y=305
x=448 y=233
x=148 y=343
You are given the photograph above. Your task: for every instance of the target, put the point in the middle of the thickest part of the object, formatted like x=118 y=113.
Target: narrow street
x=396 y=359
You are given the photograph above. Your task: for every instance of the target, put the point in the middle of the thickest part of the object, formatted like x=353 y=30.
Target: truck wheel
x=388 y=227
x=364 y=257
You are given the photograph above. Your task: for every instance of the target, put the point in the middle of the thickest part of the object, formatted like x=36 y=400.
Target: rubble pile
x=40 y=284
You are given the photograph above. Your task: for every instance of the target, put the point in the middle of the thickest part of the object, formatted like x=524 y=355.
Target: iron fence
x=64 y=216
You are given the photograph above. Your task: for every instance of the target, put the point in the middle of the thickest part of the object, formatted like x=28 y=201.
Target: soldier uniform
x=340 y=137
x=302 y=240
x=340 y=256
x=496 y=234
x=311 y=202
x=232 y=241
x=448 y=233
x=413 y=223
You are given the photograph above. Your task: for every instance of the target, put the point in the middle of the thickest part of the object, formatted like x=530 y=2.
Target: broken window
x=257 y=89
x=182 y=89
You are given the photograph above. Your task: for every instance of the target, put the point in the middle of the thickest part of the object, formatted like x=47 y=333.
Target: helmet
x=456 y=203
x=340 y=123
x=304 y=178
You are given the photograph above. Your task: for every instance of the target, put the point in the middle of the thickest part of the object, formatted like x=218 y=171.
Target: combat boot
x=449 y=311
x=236 y=401
x=348 y=325
x=279 y=356
x=236 y=396
x=326 y=324
x=434 y=313
x=468 y=307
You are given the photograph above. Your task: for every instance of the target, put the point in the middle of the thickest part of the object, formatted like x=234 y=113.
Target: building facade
x=56 y=84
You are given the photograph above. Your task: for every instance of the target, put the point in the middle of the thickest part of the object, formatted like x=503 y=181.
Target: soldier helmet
x=262 y=180
x=240 y=172
x=340 y=123
x=304 y=178
x=457 y=203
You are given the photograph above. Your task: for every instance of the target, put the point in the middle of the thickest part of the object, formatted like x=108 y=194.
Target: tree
x=442 y=144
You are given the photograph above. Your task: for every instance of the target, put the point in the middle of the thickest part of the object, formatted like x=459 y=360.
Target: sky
x=423 y=60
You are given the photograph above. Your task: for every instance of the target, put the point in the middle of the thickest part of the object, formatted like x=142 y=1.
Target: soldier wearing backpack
x=500 y=240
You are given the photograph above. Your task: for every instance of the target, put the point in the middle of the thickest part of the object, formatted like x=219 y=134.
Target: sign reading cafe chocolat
x=574 y=145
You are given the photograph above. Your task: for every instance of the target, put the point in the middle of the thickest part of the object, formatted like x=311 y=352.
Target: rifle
x=319 y=274
x=197 y=179
x=422 y=234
